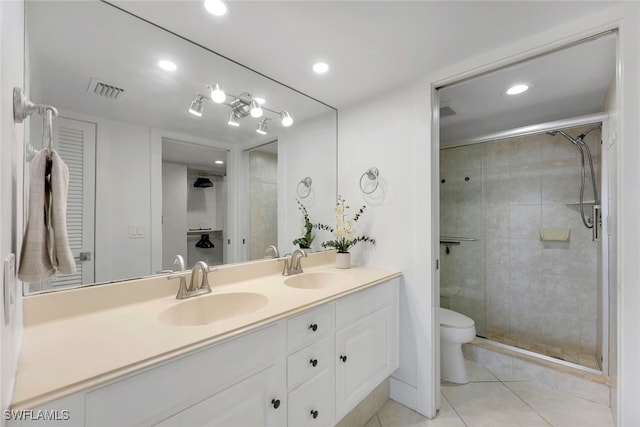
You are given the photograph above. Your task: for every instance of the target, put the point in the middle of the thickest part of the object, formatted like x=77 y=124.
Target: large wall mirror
x=149 y=179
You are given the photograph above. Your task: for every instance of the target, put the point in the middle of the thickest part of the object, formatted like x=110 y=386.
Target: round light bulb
x=167 y=65
x=517 y=89
x=286 y=119
x=320 y=67
x=255 y=111
x=217 y=94
x=215 y=7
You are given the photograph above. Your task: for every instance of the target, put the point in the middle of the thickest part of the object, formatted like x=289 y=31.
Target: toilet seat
x=452 y=319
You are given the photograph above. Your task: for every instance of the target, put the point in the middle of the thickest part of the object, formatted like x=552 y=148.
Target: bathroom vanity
x=308 y=349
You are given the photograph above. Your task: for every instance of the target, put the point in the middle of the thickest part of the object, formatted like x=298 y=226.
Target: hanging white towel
x=45 y=246
x=62 y=258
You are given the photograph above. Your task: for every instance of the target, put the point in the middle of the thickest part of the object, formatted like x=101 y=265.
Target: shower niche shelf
x=448 y=241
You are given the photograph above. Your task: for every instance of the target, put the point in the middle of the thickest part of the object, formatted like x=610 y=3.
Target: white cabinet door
x=257 y=401
x=366 y=354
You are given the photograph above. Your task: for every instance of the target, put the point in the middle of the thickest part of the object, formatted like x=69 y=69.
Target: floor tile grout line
x=454 y=409
x=526 y=403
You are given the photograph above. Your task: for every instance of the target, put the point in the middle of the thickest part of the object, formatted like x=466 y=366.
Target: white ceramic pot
x=343 y=260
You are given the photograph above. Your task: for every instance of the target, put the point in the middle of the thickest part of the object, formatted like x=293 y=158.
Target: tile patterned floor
x=487 y=401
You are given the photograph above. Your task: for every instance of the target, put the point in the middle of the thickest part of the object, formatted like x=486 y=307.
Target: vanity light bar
x=242 y=105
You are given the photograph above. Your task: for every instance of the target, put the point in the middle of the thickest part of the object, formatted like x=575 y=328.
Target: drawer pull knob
x=313 y=327
x=314 y=414
x=314 y=362
x=343 y=358
x=275 y=403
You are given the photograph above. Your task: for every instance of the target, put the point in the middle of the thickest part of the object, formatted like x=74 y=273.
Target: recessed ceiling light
x=517 y=89
x=260 y=100
x=320 y=67
x=167 y=65
x=215 y=7
x=219 y=162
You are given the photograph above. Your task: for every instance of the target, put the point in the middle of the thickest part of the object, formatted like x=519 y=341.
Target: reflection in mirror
x=135 y=150
x=194 y=202
x=263 y=199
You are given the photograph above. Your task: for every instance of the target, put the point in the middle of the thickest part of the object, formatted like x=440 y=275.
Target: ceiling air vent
x=447 y=111
x=104 y=89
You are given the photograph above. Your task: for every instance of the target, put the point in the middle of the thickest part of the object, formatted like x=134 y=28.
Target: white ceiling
x=565 y=84
x=372 y=46
x=71 y=42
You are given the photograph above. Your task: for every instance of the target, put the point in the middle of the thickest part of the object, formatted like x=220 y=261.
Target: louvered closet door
x=75 y=142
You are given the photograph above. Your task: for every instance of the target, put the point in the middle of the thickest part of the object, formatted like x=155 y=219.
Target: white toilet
x=455 y=330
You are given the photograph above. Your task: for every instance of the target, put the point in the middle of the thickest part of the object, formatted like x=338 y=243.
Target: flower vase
x=343 y=260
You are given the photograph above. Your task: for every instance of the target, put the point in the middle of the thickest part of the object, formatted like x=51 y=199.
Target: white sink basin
x=208 y=309
x=317 y=280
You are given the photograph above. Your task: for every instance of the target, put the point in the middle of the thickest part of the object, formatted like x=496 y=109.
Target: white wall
x=628 y=228
x=306 y=149
x=396 y=141
x=399 y=142
x=174 y=213
x=11 y=171
x=123 y=175
x=610 y=154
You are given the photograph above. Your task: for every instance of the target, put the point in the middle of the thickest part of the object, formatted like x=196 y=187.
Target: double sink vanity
x=260 y=349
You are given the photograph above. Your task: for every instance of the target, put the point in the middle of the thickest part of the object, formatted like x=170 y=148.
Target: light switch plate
x=9 y=286
x=136 y=232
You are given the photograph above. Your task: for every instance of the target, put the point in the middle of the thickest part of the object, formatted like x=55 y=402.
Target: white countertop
x=77 y=339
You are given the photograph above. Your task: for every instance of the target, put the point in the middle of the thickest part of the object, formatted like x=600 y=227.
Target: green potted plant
x=345 y=237
x=305 y=241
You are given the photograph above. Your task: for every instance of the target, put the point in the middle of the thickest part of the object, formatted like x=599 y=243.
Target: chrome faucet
x=177 y=260
x=180 y=261
x=193 y=289
x=272 y=248
x=293 y=266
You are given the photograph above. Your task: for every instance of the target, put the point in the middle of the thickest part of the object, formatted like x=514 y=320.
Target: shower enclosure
x=517 y=249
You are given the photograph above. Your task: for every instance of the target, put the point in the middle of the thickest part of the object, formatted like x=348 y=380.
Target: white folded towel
x=45 y=246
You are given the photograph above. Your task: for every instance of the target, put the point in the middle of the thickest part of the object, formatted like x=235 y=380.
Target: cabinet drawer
x=357 y=305
x=156 y=393
x=313 y=398
x=310 y=361
x=309 y=326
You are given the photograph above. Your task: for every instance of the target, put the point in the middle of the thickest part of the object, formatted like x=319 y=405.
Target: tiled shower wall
x=263 y=209
x=537 y=295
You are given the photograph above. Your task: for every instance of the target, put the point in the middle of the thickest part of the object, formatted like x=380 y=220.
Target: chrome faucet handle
x=182 y=289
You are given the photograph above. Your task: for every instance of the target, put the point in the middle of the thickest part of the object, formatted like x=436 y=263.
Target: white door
x=75 y=142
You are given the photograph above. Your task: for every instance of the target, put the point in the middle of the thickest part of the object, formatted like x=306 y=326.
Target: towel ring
x=372 y=174
x=306 y=182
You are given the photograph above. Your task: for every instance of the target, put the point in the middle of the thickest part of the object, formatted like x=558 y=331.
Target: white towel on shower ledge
x=45 y=246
